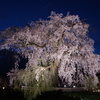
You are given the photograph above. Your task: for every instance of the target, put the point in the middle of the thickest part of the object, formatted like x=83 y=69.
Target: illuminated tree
x=57 y=47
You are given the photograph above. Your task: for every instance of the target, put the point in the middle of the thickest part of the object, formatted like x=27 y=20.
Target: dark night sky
x=21 y=12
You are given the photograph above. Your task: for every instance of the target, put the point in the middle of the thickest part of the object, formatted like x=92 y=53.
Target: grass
x=10 y=94
x=58 y=95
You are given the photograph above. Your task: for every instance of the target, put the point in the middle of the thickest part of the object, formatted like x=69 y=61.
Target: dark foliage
x=10 y=94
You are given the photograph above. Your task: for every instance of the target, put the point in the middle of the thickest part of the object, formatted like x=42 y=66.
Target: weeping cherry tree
x=57 y=48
